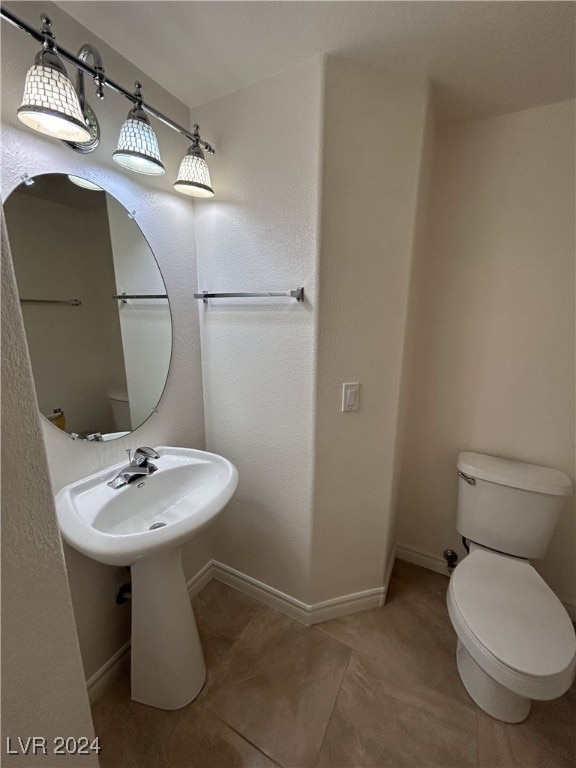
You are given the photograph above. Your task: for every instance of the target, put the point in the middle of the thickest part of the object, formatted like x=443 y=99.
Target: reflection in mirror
x=99 y=363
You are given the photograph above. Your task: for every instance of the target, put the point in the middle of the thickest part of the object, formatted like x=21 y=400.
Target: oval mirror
x=99 y=362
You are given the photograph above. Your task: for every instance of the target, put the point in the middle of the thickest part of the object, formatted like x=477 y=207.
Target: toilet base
x=499 y=702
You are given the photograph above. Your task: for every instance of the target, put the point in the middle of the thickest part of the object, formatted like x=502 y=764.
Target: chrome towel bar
x=70 y=302
x=124 y=296
x=297 y=294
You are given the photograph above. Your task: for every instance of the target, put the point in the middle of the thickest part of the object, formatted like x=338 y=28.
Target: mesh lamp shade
x=194 y=176
x=50 y=104
x=138 y=146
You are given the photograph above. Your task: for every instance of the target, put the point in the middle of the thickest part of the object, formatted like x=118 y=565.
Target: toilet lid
x=513 y=613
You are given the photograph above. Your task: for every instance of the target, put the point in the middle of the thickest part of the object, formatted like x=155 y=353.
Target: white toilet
x=120 y=407
x=515 y=639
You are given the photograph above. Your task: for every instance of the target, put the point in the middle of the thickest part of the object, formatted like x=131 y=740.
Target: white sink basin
x=182 y=497
x=112 y=526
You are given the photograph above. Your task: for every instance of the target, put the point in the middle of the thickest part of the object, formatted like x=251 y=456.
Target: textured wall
x=272 y=387
x=372 y=151
x=166 y=219
x=260 y=233
x=43 y=689
x=492 y=366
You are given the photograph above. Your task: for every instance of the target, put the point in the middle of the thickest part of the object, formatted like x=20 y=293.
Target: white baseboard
x=438 y=564
x=296 y=609
x=425 y=560
x=204 y=576
x=108 y=672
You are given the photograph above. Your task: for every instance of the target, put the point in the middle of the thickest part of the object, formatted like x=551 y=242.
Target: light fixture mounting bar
x=96 y=75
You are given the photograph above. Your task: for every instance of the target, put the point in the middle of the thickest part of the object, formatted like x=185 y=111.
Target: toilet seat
x=512 y=624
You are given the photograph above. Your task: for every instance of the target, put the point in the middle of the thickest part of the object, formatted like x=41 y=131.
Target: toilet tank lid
x=516 y=474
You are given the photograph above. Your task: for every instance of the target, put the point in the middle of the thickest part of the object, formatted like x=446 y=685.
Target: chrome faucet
x=86 y=436
x=140 y=466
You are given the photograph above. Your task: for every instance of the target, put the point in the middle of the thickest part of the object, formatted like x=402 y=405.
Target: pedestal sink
x=144 y=525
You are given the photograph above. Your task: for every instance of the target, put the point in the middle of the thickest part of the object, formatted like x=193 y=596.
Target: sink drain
x=156 y=525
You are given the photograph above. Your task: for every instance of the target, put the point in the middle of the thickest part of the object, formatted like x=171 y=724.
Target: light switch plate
x=350 y=396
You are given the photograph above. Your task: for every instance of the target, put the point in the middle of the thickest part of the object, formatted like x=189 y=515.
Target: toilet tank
x=508 y=505
x=120 y=407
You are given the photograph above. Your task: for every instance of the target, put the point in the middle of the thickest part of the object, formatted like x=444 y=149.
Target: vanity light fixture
x=87 y=112
x=194 y=176
x=54 y=107
x=50 y=104
x=138 y=146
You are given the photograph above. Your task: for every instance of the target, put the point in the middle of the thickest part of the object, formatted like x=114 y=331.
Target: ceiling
x=484 y=58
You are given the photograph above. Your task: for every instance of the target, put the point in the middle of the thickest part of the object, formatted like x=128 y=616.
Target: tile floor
x=378 y=688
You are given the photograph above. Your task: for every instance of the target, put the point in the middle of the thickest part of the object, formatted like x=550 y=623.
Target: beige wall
x=330 y=195
x=492 y=366
x=166 y=219
x=260 y=233
x=373 y=138
x=43 y=690
x=419 y=250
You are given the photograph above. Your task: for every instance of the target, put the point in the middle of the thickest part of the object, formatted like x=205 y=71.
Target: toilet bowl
x=515 y=640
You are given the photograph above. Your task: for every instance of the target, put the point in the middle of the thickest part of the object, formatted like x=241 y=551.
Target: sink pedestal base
x=168 y=669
